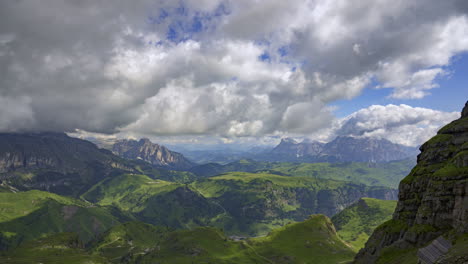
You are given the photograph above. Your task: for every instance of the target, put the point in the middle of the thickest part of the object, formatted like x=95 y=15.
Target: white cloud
x=108 y=66
x=402 y=124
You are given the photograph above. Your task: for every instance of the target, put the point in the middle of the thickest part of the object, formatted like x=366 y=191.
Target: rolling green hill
x=312 y=241
x=375 y=174
x=33 y=214
x=54 y=249
x=381 y=174
x=238 y=202
x=357 y=222
x=257 y=202
x=154 y=201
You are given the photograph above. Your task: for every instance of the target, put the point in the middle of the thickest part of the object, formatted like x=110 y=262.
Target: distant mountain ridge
x=341 y=149
x=289 y=146
x=152 y=153
x=345 y=148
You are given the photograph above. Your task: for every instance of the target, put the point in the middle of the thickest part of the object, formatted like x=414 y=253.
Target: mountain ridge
x=340 y=149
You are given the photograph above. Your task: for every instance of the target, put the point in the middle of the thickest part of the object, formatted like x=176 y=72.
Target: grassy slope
x=215 y=186
x=386 y=174
x=154 y=201
x=259 y=202
x=128 y=191
x=311 y=241
x=128 y=240
x=32 y=214
x=55 y=249
x=14 y=205
x=356 y=223
x=383 y=174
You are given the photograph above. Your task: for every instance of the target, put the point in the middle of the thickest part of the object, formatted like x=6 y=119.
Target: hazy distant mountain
x=152 y=153
x=290 y=147
x=341 y=149
x=345 y=149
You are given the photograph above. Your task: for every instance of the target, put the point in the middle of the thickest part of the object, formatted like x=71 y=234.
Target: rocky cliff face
x=53 y=161
x=152 y=153
x=433 y=200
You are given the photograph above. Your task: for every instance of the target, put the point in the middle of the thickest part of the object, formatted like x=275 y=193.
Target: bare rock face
x=152 y=153
x=465 y=111
x=53 y=162
x=433 y=199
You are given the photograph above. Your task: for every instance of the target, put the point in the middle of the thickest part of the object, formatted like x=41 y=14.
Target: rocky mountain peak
x=146 y=141
x=288 y=141
x=150 y=152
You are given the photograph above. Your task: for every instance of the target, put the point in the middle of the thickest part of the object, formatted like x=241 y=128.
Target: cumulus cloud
x=402 y=124
x=227 y=68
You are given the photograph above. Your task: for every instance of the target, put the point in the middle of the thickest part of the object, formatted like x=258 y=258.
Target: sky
x=233 y=72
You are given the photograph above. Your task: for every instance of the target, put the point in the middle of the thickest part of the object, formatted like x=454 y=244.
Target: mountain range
x=265 y=196
x=64 y=200
x=341 y=149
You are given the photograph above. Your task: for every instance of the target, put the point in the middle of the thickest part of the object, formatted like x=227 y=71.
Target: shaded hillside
x=152 y=153
x=29 y=215
x=357 y=222
x=312 y=241
x=432 y=202
x=240 y=203
x=155 y=201
x=53 y=249
x=54 y=162
x=256 y=202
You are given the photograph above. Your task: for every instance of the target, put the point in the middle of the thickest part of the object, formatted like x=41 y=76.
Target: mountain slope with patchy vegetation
x=432 y=202
x=357 y=222
x=313 y=241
